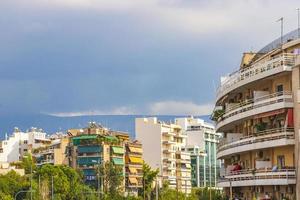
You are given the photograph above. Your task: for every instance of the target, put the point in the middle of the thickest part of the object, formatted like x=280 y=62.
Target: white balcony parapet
x=256 y=106
x=256 y=71
x=259 y=140
x=251 y=177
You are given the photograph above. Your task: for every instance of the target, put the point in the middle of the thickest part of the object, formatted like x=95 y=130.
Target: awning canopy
x=133 y=180
x=268 y=114
x=136 y=159
x=132 y=170
x=135 y=150
x=118 y=150
x=118 y=161
x=76 y=140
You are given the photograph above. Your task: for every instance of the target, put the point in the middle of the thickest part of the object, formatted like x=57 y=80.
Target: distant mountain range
x=52 y=124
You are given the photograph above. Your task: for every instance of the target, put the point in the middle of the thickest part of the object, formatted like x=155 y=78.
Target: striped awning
x=118 y=150
x=118 y=161
x=268 y=114
x=133 y=181
x=132 y=170
x=135 y=149
x=135 y=159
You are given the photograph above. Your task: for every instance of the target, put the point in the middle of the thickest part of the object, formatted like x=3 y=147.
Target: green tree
x=11 y=183
x=67 y=183
x=149 y=177
x=112 y=176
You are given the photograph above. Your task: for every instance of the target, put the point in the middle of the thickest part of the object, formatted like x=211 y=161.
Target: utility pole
x=52 y=189
x=156 y=189
x=31 y=181
x=144 y=186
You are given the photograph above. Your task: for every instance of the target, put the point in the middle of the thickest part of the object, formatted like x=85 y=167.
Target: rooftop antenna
x=281 y=30
x=298 y=12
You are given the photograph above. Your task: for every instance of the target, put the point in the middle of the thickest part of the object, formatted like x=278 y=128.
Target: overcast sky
x=75 y=57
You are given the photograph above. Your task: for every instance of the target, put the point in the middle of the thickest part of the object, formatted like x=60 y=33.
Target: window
x=279 y=88
x=25 y=142
x=280 y=162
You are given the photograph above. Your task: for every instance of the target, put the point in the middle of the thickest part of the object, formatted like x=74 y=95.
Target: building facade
x=133 y=166
x=55 y=153
x=14 y=147
x=95 y=145
x=162 y=149
x=202 y=141
x=257 y=110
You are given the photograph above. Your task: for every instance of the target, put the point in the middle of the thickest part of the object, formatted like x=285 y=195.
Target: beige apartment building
x=163 y=149
x=257 y=110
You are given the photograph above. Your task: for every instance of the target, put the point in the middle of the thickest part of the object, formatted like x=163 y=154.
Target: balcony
x=263 y=139
x=258 y=177
x=260 y=70
x=251 y=107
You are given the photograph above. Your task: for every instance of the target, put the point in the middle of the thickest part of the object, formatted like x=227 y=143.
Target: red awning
x=290 y=118
x=268 y=114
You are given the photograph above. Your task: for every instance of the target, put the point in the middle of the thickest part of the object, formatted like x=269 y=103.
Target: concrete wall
x=149 y=133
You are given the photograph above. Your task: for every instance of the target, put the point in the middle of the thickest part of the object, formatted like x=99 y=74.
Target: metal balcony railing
x=250 y=104
x=285 y=59
x=261 y=136
x=257 y=174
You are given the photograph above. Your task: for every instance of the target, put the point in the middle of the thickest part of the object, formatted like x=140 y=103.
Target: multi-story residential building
x=93 y=146
x=13 y=148
x=55 y=153
x=258 y=112
x=162 y=149
x=133 y=166
x=6 y=167
x=201 y=142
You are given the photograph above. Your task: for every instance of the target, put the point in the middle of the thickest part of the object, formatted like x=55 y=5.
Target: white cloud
x=156 y=108
x=116 y=111
x=198 y=18
x=180 y=108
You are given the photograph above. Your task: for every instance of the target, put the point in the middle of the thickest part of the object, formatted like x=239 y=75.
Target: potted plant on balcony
x=260 y=127
x=217 y=114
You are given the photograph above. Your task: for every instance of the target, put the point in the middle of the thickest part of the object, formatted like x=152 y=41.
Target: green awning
x=76 y=140
x=111 y=138
x=88 y=161
x=89 y=149
x=118 y=150
x=84 y=137
x=118 y=161
x=89 y=172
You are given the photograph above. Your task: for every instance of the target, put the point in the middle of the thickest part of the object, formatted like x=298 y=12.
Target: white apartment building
x=201 y=142
x=12 y=148
x=162 y=147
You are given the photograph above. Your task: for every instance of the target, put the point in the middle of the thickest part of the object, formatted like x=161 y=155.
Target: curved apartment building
x=257 y=110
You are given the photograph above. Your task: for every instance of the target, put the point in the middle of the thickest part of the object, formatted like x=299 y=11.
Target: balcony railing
x=251 y=104
x=261 y=68
x=266 y=135
x=259 y=176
